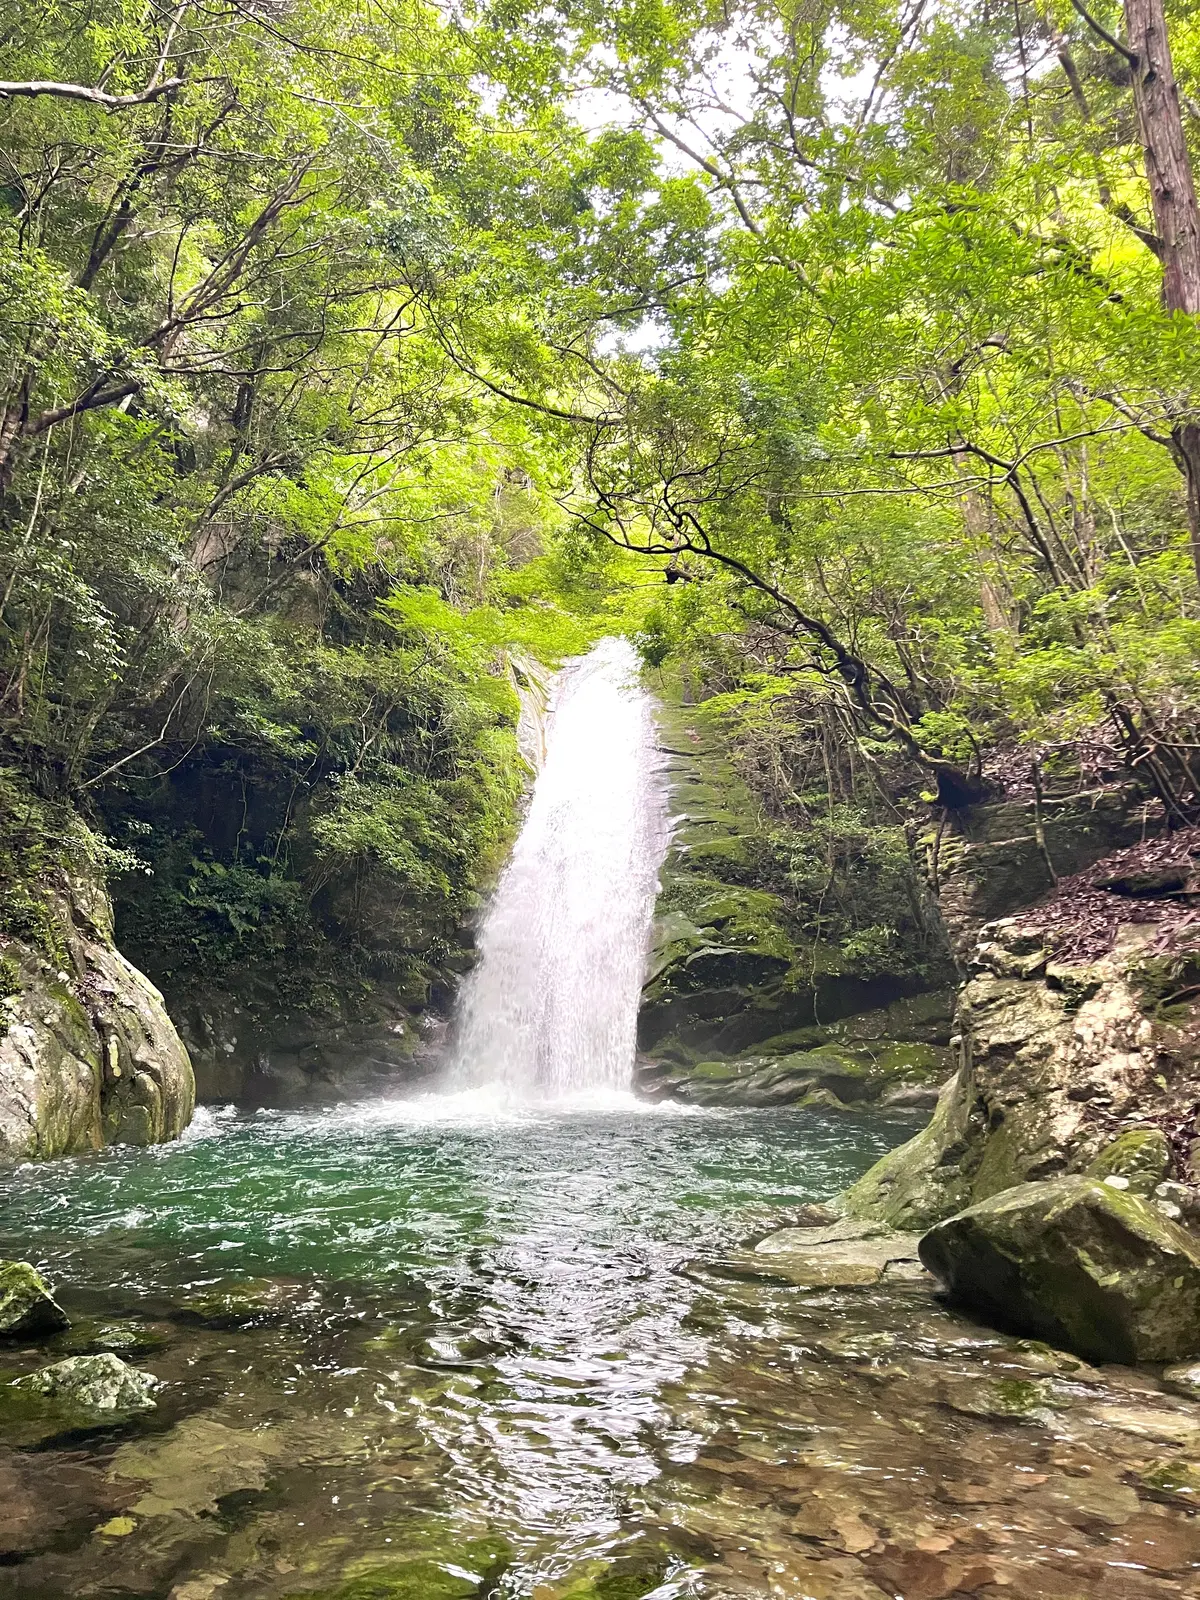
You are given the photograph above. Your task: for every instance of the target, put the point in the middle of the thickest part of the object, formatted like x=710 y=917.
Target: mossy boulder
x=93 y=1383
x=1074 y=1261
x=27 y=1308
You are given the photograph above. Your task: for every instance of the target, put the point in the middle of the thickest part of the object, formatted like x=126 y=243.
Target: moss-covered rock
x=832 y=1074
x=1141 y=1156
x=918 y=1183
x=1079 y=1263
x=27 y=1308
x=729 y=967
x=94 y=1383
x=237 y=1303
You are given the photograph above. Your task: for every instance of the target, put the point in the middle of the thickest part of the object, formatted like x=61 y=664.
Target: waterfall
x=551 y=1007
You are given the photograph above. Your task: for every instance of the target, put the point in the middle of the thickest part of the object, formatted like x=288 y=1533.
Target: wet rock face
x=27 y=1308
x=88 y=1054
x=1059 y=1068
x=878 y=1072
x=1080 y=1263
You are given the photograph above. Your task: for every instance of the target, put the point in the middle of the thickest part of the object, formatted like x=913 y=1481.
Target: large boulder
x=88 y=1054
x=27 y=1308
x=1079 y=1263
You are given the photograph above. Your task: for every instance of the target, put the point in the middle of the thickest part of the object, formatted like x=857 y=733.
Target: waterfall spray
x=551 y=1008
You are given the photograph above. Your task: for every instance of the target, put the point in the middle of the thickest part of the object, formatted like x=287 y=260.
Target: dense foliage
x=345 y=350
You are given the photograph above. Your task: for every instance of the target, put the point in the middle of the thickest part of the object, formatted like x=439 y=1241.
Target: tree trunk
x=1173 y=196
x=1168 y=165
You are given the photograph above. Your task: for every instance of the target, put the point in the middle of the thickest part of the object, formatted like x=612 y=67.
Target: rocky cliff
x=1062 y=1067
x=745 y=1004
x=741 y=1004
x=88 y=1054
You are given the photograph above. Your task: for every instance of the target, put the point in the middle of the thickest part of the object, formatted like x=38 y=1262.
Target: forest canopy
x=352 y=356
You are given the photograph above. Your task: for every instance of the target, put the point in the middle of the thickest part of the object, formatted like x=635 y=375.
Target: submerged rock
x=238 y=1303
x=94 y=1383
x=27 y=1308
x=1079 y=1263
x=843 y=1256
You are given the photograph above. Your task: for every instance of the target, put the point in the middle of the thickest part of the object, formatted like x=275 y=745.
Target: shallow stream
x=441 y=1350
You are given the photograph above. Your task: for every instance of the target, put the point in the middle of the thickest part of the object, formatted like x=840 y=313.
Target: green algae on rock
x=1141 y=1156
x=1079 y=1263
x=832 y=1075
x=95 y=1383
x=27 y=1307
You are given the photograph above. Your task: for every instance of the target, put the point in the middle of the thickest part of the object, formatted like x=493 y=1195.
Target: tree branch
x=1109 y=39
x=95 y=97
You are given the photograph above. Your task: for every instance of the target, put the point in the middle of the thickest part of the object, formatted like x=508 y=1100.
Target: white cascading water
x=551 y=1008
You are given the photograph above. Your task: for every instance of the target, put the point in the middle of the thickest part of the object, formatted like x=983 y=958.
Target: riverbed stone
x=1078 y=1263
x=95 y=1383
x=27 y=1308
x=843 y=1256
x=237 y=1303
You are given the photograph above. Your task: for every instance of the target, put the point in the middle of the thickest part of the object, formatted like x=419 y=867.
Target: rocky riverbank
x=1056 y=1187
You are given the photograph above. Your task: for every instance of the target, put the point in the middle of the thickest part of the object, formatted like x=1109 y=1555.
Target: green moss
x=409 y=1580
x=467 y=1573
x=603 y=1580
x=911 y=1063
x=911 y=1187
x=1174 y=1478
x=715 y=1071
x=1141 y=1155
x=1000 y=1166
x=1092 y=1268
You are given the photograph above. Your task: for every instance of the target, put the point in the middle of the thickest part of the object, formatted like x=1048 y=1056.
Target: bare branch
x=95 y=97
